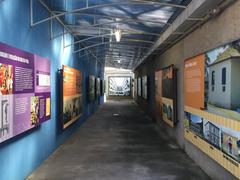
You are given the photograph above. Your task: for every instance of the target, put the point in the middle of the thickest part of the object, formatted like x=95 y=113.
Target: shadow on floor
x=119 y=142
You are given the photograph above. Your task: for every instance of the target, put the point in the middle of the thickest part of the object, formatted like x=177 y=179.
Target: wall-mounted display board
x=119 y=86
x=212 y=104
x=145 y=87
x=166 y=94
x=91 y=88
x=98 y=90
x=24 y=91
x=72 y=96
x=135 y=87
x=139 y=86
x=102 y=86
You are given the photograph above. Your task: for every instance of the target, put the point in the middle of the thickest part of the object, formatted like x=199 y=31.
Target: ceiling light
x=119 y=61
x=118 y=35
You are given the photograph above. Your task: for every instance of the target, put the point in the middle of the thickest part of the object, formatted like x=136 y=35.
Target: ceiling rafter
x=114 y=17
x=57 y=18
x=133 y=2
x=103 y=43
x=105 y=35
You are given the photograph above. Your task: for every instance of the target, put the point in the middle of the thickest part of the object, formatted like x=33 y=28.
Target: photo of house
x=195 y=123
x=223 y=81
x=167 y=111
x=222 y=88
x=231 y=143
x=212 y=133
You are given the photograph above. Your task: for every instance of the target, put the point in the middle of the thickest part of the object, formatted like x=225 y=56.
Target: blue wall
x=19 y=156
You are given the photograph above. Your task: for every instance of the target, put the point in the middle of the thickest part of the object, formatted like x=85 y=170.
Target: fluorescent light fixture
x=118 y=35
x=119 y=61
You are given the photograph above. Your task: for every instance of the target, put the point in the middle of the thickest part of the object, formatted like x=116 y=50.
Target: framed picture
x=91 y=88
x=166 y=94
x=102 y=85
x=72 y=105
x=98 y=91
x=119 y=86
x=145 y=87
x=139 y=85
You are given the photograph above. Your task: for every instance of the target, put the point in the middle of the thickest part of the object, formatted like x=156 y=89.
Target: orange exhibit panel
x=72 y=95
x=194 y=82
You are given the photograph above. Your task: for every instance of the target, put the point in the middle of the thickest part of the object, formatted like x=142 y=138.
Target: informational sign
x=158 y=93
x=166 y=95
x=212 y=104
x=135 y=88
x=24 y=91
x=72 y=95
x=98 y=91
x=91 y=88
x=102 y=85
x=139 y=85
x=144 y=87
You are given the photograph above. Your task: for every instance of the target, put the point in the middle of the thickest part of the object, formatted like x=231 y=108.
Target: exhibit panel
x=135 y=88
x=212 y=104
x=119 y=86
x=145 y=87
x=98 y=91
x=139 y=85
x=25 y=98
x=158 y=93
x=91 y=88
x=72 y=105
x=166 y=95
x=102 y=89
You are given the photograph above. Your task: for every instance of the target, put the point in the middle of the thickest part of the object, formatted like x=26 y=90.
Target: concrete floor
x=124 y=147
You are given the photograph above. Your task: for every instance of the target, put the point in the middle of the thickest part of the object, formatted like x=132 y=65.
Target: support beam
x=107 y=35
x=99 y=44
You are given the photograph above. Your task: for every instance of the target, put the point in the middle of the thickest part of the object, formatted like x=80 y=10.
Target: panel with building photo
x=212 y=100
x=166 y=94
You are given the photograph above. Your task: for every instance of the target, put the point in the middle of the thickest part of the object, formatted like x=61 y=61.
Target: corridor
x=118 y=142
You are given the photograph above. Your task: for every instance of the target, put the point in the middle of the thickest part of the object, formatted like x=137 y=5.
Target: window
x=224 y=88
x=213 y=78
x=224 y=76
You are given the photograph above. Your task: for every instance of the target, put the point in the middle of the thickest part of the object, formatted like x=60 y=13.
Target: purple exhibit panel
x=24 y=91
